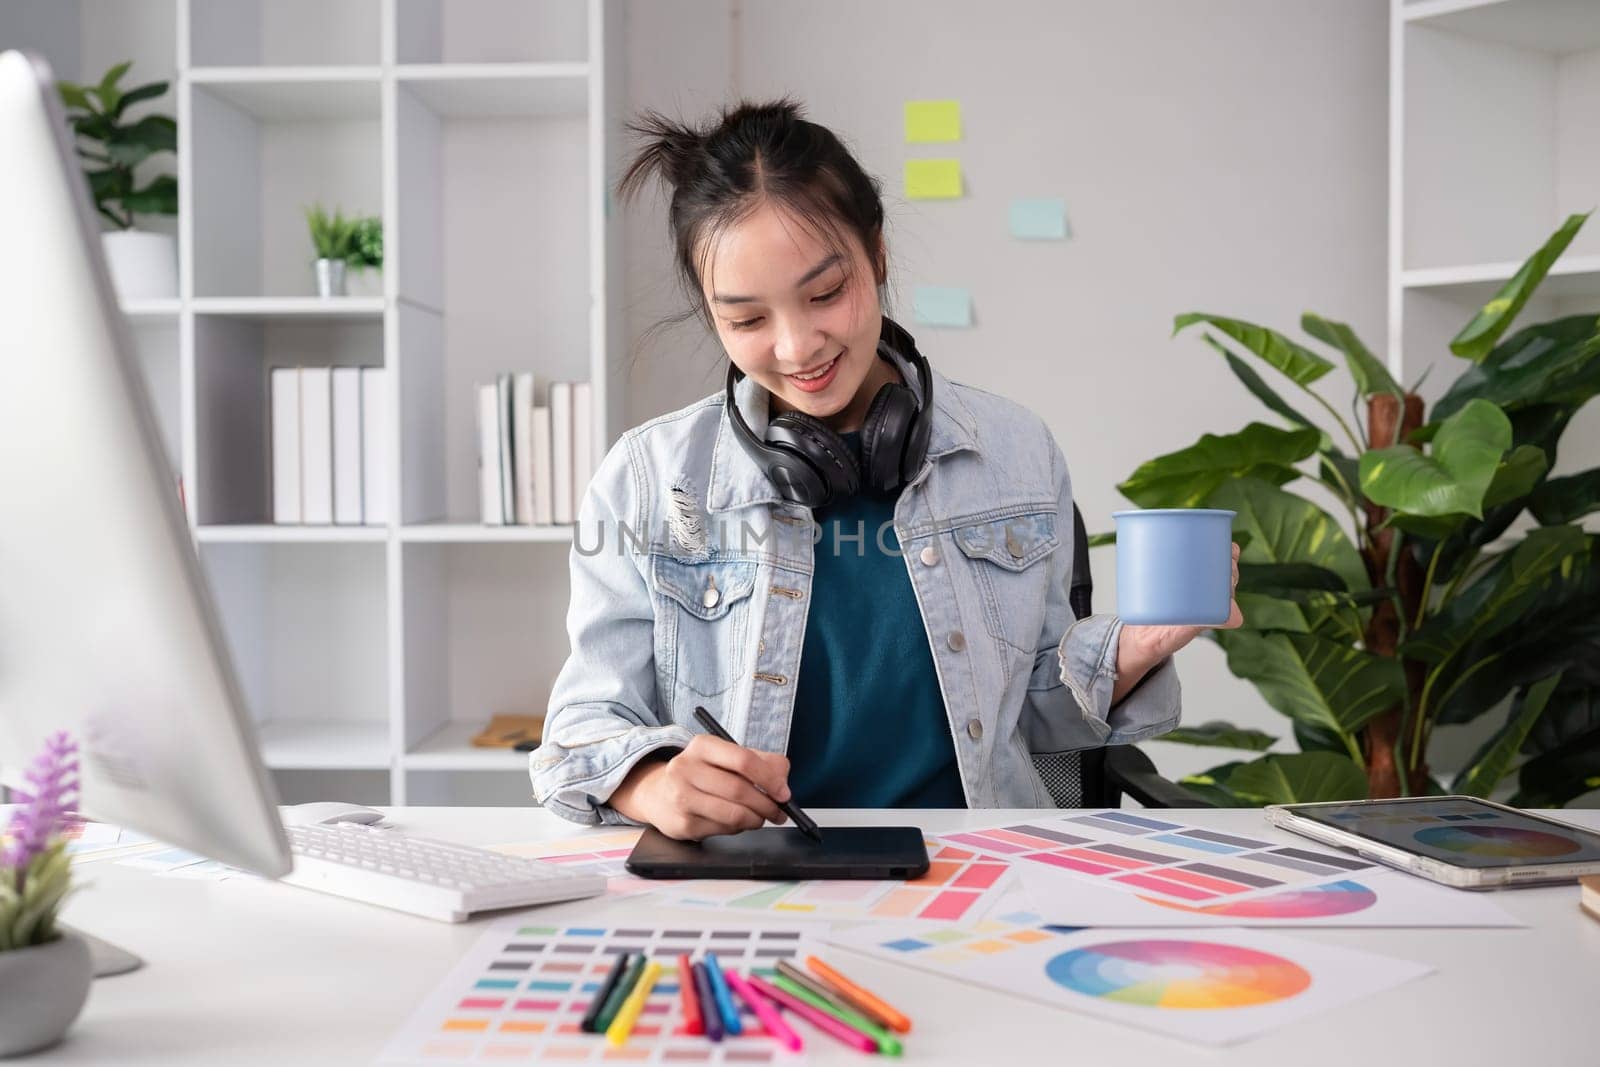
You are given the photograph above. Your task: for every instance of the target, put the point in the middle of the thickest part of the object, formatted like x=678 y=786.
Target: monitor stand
x=106 y=958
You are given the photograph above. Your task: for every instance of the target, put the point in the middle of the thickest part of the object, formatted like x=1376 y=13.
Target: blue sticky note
x=937 y=305
x=1039 y=220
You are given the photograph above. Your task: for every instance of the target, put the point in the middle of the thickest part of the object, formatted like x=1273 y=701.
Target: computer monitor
x=107 y=628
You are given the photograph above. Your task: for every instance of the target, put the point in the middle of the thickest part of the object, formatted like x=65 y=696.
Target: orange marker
x=686 y=994
x=863 y=1001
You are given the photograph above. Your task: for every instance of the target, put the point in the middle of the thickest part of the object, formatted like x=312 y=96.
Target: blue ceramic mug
x=1174 y=566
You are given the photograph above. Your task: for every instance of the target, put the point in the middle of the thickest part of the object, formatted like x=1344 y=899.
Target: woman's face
x=798 y=316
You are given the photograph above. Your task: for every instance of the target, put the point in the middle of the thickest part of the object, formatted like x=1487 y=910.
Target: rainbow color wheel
x=1335 y=898
x=1504 y=841
x=1178 y=974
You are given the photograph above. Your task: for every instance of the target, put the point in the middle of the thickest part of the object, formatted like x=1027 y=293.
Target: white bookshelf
x=484 y=132
x=1493 y=107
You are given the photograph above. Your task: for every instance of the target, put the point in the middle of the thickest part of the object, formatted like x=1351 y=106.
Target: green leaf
x=1484 y=771
x=1348 y=482
x=1561 y=500
x=1184 y=478
x=1274 y=579
x=1453 y=478
x=1284 y=528
x=1100 y=540
x=1573 y=711
x=74 y=95
x=160 y=197
x=1498 y=600
x=1264 y=392
x=110 y=95
x=1219 y=734
x=1299 y=364
x=1314 y=679
x=1552 y=779
x=1299 y=778
x=1212 y=786
x=1552 y=363
x=1516 y=475
x=1371 y=376
x=143 y=92
x=1478 y=336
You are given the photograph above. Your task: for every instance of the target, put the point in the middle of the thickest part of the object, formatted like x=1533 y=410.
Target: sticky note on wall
x=1039 y=220
x=932 y=121
x=933 y=179
x=937 y=305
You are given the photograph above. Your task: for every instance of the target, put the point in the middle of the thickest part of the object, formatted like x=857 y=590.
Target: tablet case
x=782 y=852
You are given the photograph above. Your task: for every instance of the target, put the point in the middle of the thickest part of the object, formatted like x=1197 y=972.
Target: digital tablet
x=1459 y=841
x=782 y=852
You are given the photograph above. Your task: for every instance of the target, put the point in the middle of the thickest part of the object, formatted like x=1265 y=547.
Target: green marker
x=888 y=1044
x=630 y=978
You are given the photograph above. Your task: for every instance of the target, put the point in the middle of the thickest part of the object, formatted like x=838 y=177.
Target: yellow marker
x=933 y=179
x=617 y=1033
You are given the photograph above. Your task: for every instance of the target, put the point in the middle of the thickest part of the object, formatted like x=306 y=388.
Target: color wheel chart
x=959 y=884
x=1216 y=988
x=521 y=990
x=1512 y=842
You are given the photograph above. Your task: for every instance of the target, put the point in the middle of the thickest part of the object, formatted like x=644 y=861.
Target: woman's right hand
x=710 y=787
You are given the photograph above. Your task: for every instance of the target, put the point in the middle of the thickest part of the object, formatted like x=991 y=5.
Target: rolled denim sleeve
x=602 y=719
x=1068 y=705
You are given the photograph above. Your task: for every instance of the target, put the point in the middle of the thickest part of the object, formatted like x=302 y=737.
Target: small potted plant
x=44 y=972
x=143 y=265
x=342 y=242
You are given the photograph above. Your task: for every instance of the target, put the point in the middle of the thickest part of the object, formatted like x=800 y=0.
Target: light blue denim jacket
x=690 y=582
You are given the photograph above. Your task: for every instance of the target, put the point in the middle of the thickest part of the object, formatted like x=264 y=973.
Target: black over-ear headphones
x=809 y=462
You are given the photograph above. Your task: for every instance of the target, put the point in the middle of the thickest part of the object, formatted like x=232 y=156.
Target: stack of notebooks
x=534 y=460
x=329 y=459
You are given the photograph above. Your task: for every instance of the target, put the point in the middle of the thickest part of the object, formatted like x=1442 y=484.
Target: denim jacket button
x=930 y=556
x=957 y=640
x=974 y=729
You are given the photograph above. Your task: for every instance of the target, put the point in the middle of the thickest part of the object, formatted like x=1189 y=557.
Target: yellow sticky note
x=929 y=121
x=933 y=179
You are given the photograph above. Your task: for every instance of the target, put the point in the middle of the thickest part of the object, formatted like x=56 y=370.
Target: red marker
x=692 y=1023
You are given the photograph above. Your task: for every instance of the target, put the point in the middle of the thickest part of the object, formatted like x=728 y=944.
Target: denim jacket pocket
x=1009 y=560
x=702 y=618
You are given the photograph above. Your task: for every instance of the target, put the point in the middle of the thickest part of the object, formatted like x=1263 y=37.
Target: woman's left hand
x=1142 y=647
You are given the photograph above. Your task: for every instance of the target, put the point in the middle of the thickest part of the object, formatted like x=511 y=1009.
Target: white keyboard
x=434 y=879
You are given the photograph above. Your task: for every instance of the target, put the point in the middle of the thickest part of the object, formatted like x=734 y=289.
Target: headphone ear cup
x=814 y=443
x=883 y=436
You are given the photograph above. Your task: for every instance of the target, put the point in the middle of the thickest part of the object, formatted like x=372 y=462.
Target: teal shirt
x=869 y=728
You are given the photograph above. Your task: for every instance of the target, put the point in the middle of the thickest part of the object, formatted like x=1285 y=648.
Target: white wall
x=1229 y=156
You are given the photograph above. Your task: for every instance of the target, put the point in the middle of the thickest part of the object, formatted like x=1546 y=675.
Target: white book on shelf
x=522 y=445
x=316 y=446
x=561 y=450
x=508 y=474
x=582 y=441
x=489 y=456
x=347 y=446
x=285 y=445
x=543 y=472
x=374 y=448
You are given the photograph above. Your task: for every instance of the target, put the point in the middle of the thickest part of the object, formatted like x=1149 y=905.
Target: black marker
x=801 y=819
x=613 y=977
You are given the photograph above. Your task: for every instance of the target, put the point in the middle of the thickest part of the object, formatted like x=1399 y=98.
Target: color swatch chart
x=520 y=992
x=1157 y=857
x=604 y=853
x=1216 y=988
x=959 y=884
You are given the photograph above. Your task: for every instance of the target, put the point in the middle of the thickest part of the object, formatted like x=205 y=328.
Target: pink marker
x=764 y=1011
x=821 y=1020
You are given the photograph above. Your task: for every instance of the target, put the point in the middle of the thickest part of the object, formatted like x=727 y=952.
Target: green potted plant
x=44 y=972
x=1413 y=602
x=341 y=242
x=143 y=265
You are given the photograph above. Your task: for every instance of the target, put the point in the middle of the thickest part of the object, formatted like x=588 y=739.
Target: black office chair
x=1100 y=777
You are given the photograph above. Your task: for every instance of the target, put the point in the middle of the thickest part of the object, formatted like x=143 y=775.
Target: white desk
x=247 y=971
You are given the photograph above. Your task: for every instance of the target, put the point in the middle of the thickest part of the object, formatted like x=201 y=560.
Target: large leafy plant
x=112 y=148
x=1414 y=602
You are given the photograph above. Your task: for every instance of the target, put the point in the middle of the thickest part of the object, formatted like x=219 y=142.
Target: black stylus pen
x=801 y=819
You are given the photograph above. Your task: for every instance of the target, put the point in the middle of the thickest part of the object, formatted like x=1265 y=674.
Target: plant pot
x=42 y=989
x=330 y=277
x=143 y=266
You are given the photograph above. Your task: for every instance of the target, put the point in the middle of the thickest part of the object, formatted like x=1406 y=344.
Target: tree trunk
x=1387 y=425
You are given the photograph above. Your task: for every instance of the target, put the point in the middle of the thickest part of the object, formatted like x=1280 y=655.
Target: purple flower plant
x=50 y=808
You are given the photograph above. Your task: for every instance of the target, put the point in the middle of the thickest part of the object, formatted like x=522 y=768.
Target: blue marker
x=719 y=989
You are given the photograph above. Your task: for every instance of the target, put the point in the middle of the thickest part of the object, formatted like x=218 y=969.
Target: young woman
x=859 y=567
